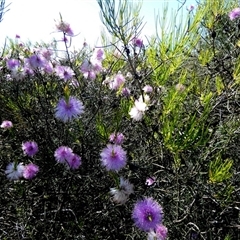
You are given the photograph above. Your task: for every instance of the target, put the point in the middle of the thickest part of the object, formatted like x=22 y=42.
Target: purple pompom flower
x=68 y=110
x=147 y=214
x=159 y=233
x=137 y=42
x=235 y=13
x=30 y=171
x=113 y=157
x=62 y=154
x=13 y=64
x=73 y=161
x=64 y=72
x=6 y=124
x=126 y=92
x=36 y=61
x=99 y=55
x=148 y=89
x=30 y=148
x=65 y=28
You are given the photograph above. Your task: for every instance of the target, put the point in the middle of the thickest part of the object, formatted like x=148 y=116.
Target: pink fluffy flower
x=126 y=92
x=147 y=89
x=30 y=148
x=159 y=233
x=36 y=61
x=117 y=82
x=90 y=69
x=113 y=157
x=66 y=156
x=73 y=161
x=150 y=181
x=30 y=171
x=137 y=42
x=62 y=153
x=46 y=53
x=116 y=138
x=99 y=55
x=64 y=72
x=65 y=28
x=235 y=13
x=48 y=67
x=13 y=64
x=147 y=214
x=6 y=124
x=68 y=110
x=14 y=171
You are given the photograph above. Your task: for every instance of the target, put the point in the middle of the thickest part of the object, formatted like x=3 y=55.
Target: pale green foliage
x=220 y=170
x=121 y=18
x=228 y=237
x=173 y=44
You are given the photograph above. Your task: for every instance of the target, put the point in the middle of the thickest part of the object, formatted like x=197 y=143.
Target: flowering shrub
x=137 y=139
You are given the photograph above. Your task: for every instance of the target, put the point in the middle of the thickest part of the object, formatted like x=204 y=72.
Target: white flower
x=152 y=235
x=138 y=110
x=136 y=114
x=126 y=186
x=118 y=195
x=14 y=171
x=121 y=195
x=146 y=99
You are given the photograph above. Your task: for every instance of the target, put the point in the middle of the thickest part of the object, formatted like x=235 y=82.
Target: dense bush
x=153 y=120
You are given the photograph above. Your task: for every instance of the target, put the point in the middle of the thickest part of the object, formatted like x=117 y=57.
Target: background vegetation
x=188 y=138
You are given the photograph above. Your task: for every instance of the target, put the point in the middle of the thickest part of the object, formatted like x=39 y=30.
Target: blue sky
x=34 y=19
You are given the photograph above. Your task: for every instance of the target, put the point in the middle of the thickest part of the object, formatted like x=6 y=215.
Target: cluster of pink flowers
x=141 y=105
x=117 y=82
x=64 y=72
x=90 y=68
x=116 y=138
x=66 y=156
x=16 y=171
x=147 y=213
x=159 y=233
x=41 y=61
